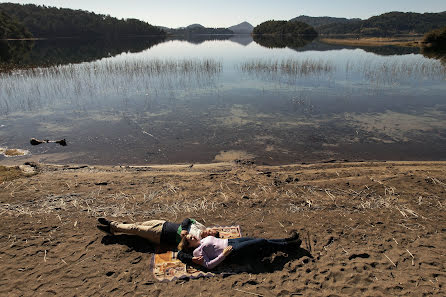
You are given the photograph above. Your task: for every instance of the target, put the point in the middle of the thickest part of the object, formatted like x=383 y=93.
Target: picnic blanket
x=166 y=266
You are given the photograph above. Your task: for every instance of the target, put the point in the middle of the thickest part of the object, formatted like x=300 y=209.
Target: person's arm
x=185 y=258
x=210 y=264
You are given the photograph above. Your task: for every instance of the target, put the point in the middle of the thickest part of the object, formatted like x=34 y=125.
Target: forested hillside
x=44 y=21
x=387 y=24
x=197 y=29
x=321 y=21
x=11 y=28
x=284 y=28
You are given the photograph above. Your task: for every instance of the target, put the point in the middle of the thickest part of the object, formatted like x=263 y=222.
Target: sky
x=217 y=13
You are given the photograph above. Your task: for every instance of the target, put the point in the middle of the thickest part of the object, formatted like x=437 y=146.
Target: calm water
x=139 y=102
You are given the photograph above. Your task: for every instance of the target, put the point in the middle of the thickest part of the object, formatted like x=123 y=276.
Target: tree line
x=388 y=24
x=49 y=22
x=283 y=28
x=11 y=28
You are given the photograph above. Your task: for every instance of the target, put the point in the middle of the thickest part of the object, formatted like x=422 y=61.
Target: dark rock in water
x=35 y=141
x=62 y=142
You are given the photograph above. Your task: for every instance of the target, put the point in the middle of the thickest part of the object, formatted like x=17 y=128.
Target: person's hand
x=227 y=250
x=198 y=260
x=184 y=233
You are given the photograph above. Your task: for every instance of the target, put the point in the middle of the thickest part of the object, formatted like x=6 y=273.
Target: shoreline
x=375 y=41
x=372 y=228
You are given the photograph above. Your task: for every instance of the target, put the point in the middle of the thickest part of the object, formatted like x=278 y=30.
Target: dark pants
x=247 y=247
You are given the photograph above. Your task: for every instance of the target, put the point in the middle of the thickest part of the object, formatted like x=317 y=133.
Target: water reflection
x=274 y=41
x=16 y=54
x=183 y=101
x=81 y=84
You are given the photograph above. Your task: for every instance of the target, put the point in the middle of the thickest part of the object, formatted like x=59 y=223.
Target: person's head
x=188 y=242
x=210 y=232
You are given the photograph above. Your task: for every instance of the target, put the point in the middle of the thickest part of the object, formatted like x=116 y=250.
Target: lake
x=213 y=99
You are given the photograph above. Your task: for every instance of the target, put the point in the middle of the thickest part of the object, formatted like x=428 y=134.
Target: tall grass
x=290 y=67
x=27 y=89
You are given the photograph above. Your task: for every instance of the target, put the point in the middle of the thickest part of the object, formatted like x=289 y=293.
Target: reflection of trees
x=276 y=41
x=198 y=39
x=11 y=52
x=55 y=52
x=435 y=54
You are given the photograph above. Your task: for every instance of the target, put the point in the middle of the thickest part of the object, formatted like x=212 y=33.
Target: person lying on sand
x=160 y=232
x=211 y=251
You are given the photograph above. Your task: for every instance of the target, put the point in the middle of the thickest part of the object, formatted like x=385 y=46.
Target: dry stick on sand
x=413 y=264
x=390 y=260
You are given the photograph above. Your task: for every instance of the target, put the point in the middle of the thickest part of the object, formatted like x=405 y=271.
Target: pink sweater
x=211 y=249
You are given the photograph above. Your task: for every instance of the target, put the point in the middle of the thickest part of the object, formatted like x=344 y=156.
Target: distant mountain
x=321 y=21
x=242 y=28
x=197 y=29
x=388 y=24
x=194 y=26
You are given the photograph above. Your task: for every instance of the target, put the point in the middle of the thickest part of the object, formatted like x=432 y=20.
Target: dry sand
x=373 y=228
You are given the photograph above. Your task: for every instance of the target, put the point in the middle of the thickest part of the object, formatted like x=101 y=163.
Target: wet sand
x=372 y=228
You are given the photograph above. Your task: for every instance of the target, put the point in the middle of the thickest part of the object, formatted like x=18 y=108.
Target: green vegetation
x=321 y=21
x=388 y=24
x=197 y=29
x=436 y=39
x=283 y=28
x=44 y=21
x=28 y=53
x=11 y=28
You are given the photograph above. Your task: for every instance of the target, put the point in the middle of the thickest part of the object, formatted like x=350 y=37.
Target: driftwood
x=35 y=141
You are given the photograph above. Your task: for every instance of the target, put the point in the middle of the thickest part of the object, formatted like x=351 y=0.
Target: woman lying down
x=211 y=251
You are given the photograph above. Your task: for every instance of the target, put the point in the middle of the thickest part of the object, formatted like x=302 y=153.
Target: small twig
x=413 y=258
x=395 y=240
x=246 y=292
x=44 y=257
x=390 y=260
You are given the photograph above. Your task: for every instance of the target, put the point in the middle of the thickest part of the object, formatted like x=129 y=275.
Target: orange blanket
x=166 y=266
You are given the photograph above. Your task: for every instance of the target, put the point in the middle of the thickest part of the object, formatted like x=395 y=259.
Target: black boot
x=294 y=236
x=104 y=221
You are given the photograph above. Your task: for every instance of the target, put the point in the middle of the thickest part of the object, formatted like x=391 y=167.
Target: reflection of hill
x=276 y=41
x=198 y=39
x=11 y=51
x=303 y=45
x=242 y=39
x=64 y=51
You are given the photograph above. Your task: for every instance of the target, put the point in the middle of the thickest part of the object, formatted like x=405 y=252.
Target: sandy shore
x=373 y=228
x=376 y=41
